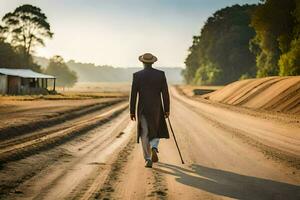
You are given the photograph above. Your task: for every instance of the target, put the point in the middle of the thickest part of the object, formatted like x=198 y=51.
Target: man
x=153 y=106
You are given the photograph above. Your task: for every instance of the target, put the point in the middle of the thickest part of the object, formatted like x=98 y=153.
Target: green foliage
x=221 y=53
x=2 y=31
x=207 y=75
x=58 y=68
x=240 y=42
x=245 y=76
x=276 y=23
x=192 y=61
x=289 y=62
x=14 y=58
x=9 y=58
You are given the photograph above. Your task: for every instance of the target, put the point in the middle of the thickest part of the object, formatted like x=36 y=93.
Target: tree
x=220 y=54
x=58 y=68
x=274 y=23
x=13 y=57
x=2 y=38
x=26 y=27
x=192 y=61
x=207 y=74
x=289 y=62
x=8 y=56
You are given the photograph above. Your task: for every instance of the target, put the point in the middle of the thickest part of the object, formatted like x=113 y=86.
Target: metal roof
x=24 y=73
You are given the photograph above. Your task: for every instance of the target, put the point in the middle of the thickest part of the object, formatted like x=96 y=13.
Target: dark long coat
x=153 y=100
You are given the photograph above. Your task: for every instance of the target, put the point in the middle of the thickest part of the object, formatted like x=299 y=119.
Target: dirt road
x=228 y=154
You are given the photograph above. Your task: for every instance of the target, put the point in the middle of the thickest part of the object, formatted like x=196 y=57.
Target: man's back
x=150 y=85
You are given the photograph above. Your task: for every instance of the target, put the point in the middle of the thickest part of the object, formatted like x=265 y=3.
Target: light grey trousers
x=146 y=144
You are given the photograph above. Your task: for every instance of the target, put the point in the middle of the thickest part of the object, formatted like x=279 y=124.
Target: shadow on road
x=230 y=184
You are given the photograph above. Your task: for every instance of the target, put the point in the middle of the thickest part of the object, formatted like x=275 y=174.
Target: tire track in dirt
x=276 y=153
x=129 y=179
x=80 y=179
x=61 y=117
x=19 y=151
x=105 y=192
x=218 y=166
x=75 y=176
x=55 y=128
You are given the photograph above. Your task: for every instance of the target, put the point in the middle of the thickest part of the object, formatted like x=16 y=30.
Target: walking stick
x=175 y=140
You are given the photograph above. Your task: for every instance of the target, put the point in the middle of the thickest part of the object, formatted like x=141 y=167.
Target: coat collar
x=148 y=68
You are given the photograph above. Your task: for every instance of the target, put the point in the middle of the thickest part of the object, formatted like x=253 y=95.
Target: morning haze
x=116 y=32
x=208 y=88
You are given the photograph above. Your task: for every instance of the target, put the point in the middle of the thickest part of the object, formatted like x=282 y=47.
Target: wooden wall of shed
x=3 y=84
x=14 y=85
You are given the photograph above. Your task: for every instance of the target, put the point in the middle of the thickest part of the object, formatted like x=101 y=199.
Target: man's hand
x=132 y=117
x=167 y=114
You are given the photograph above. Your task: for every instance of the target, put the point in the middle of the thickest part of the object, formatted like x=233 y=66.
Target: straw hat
x=147 y=58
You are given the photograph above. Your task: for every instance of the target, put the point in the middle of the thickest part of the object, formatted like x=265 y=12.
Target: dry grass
x=80 y=91
x=100 y=87
x=64 y=96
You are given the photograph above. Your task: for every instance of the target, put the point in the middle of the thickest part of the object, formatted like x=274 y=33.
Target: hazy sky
x=116 y=32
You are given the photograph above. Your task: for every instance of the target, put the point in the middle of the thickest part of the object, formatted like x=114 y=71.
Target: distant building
x=24 y=81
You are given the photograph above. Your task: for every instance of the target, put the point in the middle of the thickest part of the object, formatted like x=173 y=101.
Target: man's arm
x=165 y=96
x=133 y=96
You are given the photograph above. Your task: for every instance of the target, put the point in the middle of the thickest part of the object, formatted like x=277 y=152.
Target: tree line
x=90 y=72
x=21 y=31
x=246 y=41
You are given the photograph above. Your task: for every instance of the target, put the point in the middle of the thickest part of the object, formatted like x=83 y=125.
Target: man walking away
x=153 y=106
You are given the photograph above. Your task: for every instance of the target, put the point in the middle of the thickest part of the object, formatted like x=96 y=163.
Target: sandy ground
x=15 y=113
x=228 y=155
x=280 y=94
x=219 y=163
x=72 y=169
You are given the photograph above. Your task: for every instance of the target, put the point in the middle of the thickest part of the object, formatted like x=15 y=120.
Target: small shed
x=24 y=81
